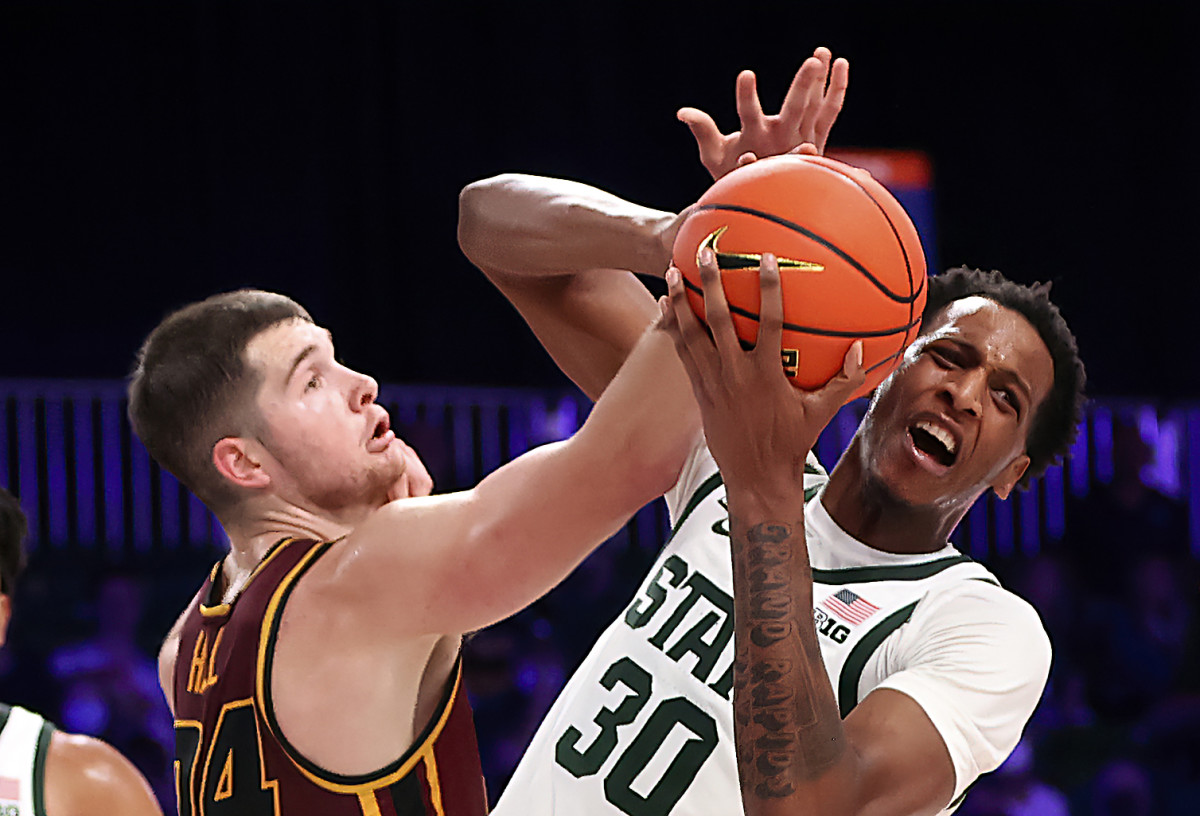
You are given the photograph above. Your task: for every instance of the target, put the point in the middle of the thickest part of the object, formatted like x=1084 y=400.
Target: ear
x=236 y=460
x=1007 y=479
x=5 y=615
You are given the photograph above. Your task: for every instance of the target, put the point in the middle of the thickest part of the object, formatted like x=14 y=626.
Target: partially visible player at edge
x=317 y=670
x=44 y=771
x=884 y=670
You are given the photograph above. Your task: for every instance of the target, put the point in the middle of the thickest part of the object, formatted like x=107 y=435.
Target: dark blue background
x=154 y=153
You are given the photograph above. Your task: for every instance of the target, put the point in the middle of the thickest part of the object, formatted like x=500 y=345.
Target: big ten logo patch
x=829 y=626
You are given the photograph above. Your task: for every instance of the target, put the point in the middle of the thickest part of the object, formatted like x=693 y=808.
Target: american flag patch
x=850 y=607
x=10 y=788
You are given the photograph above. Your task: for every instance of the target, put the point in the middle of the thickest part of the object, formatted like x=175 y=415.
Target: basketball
x=850 y=262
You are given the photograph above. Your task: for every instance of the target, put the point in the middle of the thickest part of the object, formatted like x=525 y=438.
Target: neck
x=259 y=526
x=871 y=513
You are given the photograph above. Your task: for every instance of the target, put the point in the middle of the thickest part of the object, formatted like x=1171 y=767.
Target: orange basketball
x=850 y=262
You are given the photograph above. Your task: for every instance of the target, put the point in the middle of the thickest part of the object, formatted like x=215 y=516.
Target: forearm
x=793 y=755
x=531 y=227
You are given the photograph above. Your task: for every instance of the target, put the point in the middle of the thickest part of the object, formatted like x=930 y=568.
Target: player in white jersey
x=44 y=771
x=934 y=668
x=931 y=670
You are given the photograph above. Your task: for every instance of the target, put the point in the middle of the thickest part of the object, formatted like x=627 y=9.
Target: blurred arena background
x=151 y=154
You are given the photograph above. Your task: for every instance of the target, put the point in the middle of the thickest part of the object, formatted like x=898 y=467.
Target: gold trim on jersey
x=421 y=752
x=435 y=784
x=190 y=789
x=223 y=609
x=368 y=803
x=266 y=784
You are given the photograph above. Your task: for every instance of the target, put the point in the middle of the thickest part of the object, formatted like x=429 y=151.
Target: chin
x=881 y=488
x=890 y=479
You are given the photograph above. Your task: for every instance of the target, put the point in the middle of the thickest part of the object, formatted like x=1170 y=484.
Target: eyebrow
x=304 y=354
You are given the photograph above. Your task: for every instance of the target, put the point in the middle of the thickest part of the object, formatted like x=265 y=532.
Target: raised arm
x=809 y=109
x=795 y=753
x=563 y=253
x=526 y=526
x=87 y=777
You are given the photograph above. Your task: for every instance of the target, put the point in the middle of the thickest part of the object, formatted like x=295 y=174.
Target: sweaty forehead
x=980 y=318
x=276 y=347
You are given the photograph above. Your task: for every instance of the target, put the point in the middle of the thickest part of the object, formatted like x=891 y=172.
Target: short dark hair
x=1056 y=423
x=191 y=386
x=13 y=528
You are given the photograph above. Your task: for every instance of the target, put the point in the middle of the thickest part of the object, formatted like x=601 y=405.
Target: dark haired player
x=317 y=669
x=891 y=670
x=44 y=771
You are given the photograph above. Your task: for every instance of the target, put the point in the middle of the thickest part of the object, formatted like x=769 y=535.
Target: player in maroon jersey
x=317 y=669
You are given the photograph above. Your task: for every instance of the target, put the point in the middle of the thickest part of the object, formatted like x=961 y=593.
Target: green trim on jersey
x=852 y=669
x=39 y=768
x=706 y=487
x=959 y=800
x=906 y=572
x=713 y=482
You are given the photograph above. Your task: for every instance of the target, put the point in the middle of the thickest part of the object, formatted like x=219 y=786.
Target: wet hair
x=1056 y=423
x=191 y=386
x=13 y=528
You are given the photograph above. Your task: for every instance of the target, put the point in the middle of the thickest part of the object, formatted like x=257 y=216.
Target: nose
x=966 y=391
x=364 y=392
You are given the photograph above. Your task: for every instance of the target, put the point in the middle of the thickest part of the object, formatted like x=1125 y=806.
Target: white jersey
x=645 y=726
x=24 y=742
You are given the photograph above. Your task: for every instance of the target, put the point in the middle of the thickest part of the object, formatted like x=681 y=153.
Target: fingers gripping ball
x=850 y=262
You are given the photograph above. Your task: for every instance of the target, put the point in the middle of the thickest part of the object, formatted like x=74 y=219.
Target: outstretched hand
x=759 y=426
x=809 y=110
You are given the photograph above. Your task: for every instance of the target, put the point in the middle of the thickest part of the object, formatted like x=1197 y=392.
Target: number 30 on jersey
x=619 y=783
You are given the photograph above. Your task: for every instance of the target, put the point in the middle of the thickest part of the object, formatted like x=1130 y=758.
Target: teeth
x=940 y=434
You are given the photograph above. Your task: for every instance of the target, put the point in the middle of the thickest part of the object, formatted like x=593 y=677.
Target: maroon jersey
x=231 y=758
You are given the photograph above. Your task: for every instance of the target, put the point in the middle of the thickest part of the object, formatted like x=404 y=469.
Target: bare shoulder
x=87 y=776
x=400 y=547
x=167 y=654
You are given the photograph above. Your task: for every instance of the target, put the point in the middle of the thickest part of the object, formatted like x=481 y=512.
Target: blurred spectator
x=1122 y=788
x=110 y=686
x=512 y=676
x=1138 y=641
x=1014 y=790
x=1124 y=519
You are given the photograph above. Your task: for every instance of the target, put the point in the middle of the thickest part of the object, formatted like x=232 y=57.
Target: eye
x=943 y=358
x=1007 y=398
x=313 y=382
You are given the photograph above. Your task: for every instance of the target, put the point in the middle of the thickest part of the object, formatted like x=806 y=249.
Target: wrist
x=777 y=500
x=656 y=249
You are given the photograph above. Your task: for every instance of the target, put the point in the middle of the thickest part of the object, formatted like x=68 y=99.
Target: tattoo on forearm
x=781 y=736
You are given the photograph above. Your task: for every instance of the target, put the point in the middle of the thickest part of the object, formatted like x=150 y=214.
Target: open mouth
x=381 y=427
x=935 y=442
x=381 y=434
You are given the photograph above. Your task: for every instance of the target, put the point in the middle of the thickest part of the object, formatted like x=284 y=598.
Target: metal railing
x=87 y=483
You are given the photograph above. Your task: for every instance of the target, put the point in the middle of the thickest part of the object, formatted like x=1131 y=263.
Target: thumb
x=704 y=130
x=850 y=378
